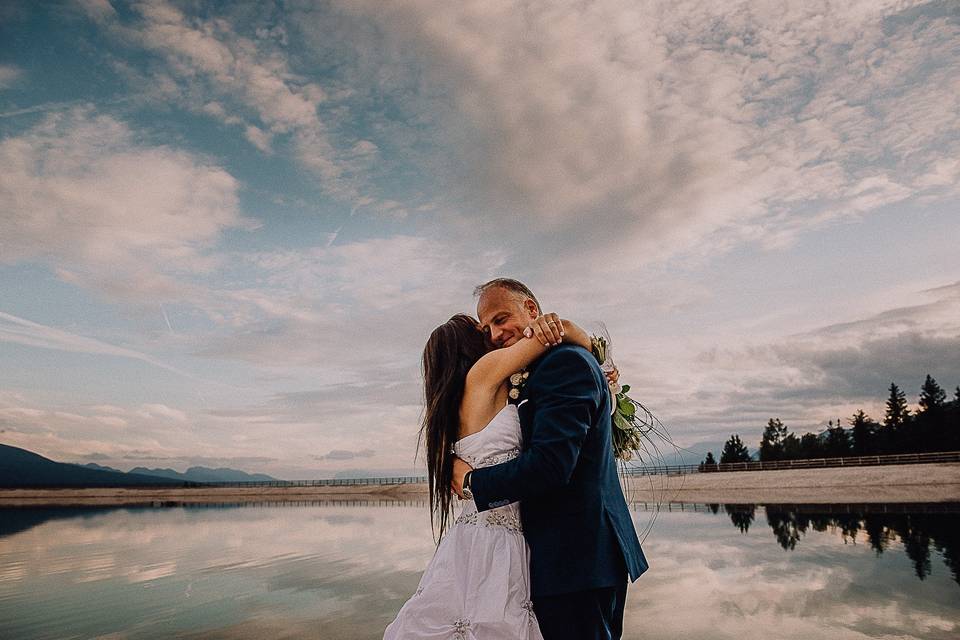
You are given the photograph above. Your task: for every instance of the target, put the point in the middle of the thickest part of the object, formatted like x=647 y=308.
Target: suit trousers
x=596 y=614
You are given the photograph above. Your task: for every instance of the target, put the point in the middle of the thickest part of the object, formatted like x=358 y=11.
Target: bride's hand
x=547 y=329
x=613 y=376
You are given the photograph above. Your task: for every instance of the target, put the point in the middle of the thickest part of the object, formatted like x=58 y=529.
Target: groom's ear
x=531 y=308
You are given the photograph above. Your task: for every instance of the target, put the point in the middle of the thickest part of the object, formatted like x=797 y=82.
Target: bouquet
x=630 y=430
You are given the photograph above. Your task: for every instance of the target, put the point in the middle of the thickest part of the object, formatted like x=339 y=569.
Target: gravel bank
x=852 y=485
x=899 y=484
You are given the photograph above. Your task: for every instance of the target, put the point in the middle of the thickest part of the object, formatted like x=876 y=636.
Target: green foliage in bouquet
x=629 y=429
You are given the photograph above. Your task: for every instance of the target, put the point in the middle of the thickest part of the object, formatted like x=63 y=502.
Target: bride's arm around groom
x=566 y=402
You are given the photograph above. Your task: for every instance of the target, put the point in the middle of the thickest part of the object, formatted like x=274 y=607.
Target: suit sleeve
x=567 y=399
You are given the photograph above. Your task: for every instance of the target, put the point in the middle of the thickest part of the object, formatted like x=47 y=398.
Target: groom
x=583 y=545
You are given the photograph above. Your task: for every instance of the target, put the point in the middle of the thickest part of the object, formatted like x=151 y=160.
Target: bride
x=477 y=585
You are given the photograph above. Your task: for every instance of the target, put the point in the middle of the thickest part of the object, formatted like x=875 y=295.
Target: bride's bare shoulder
x=478 y=408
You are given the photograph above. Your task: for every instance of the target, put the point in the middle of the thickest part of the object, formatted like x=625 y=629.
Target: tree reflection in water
x=741 y=515
x=917 y=527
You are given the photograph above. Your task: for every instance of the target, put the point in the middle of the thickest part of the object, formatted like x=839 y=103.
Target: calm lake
x=342 y=570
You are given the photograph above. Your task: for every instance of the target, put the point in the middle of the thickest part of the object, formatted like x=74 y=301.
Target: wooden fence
x=810 y=463
x=807 y=463
x=332 y=482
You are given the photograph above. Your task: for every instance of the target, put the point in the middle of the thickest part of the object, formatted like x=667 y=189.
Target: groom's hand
x=460 y=469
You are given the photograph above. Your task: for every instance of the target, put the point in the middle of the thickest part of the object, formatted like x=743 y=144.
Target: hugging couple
x=544 y=544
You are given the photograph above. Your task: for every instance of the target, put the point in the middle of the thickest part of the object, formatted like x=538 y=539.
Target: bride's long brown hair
x=452 y=349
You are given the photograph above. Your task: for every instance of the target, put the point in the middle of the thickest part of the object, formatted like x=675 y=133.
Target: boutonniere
x=517 y=382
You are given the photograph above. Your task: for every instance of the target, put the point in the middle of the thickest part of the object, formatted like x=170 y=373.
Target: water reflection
x=741 y=515
x=17 y=520
x=919 y=528
x=343 y=569
x=13 y=521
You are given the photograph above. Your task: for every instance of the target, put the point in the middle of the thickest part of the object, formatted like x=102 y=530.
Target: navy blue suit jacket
x=573 y=512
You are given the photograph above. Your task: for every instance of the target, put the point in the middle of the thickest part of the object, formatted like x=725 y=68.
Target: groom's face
x=504 y=315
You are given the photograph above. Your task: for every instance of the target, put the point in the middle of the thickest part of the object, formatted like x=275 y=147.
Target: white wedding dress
x=477 y=586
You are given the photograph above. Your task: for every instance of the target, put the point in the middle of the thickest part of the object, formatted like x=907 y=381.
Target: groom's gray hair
x=511 y=285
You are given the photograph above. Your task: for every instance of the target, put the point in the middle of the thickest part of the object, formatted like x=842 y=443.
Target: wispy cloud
x=348 y=306
x=21 y=331
x=40 y=108
x=138 y=223
x=8 y=75
x=98 y=9
x=80 y=192
x=60 y=106
x=246 y=82
x=342 y=454
x=821 y=374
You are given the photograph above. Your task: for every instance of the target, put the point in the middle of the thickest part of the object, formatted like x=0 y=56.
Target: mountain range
x=204 y=474
x=22 y=468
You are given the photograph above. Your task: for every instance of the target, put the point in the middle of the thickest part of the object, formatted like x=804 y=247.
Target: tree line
x=934 y=427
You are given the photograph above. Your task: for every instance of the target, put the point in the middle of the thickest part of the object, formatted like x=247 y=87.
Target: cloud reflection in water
x=343 y=570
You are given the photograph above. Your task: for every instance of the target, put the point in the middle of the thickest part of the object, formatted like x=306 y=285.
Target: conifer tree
x=810 y=446
x=734 y=451
x=951 y=441
x=771 y=445
x=931 y=421
x=895 y=435
x=897 y=410
x=863 y=431
x=932 y=396
x=838 y=442
x=791 y=447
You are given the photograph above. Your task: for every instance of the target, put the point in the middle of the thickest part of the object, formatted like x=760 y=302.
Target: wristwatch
x=467 y=493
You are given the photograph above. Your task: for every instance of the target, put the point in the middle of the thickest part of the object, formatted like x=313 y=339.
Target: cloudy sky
x=226 y=229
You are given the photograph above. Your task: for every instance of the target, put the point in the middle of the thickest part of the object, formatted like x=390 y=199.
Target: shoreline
x=915 y=483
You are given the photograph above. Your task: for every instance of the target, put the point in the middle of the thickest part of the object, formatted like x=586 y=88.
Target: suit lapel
x=525 y=405
x=525 y=412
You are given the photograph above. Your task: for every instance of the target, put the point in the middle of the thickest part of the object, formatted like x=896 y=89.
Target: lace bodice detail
x=496 y=443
